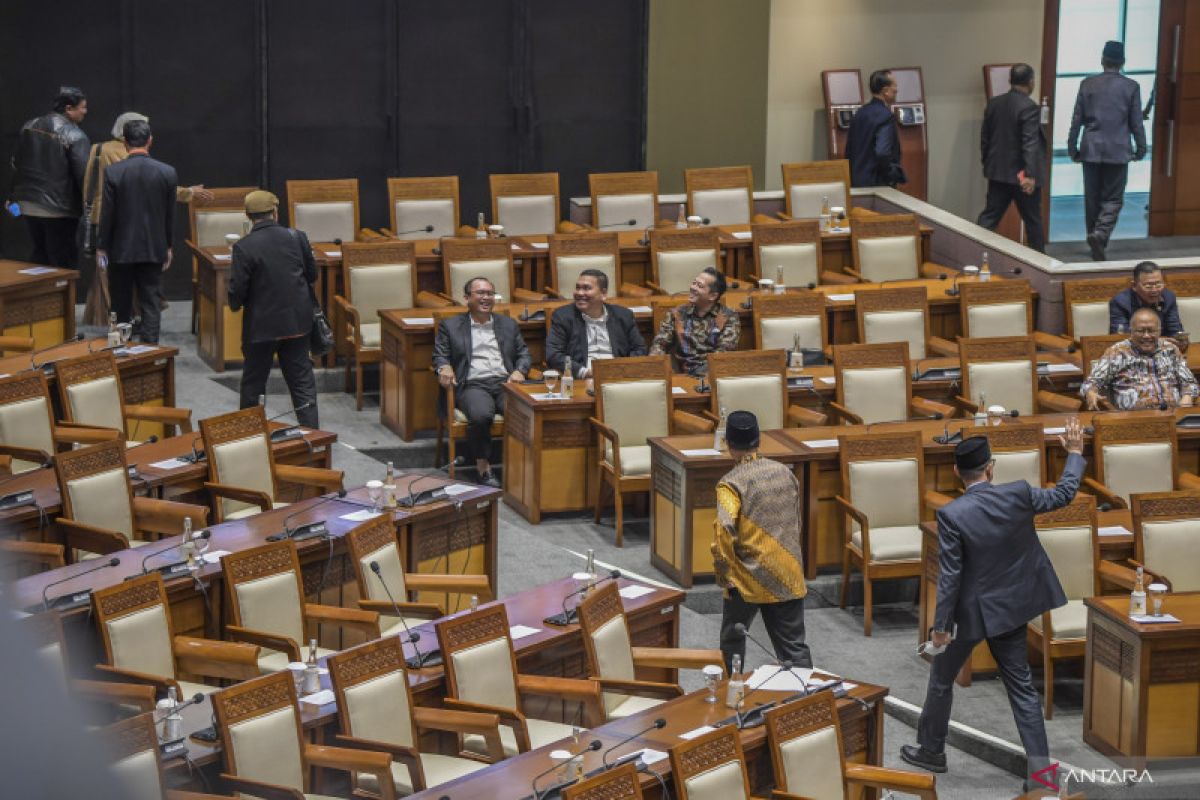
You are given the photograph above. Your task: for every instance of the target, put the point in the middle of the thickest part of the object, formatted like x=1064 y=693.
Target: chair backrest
x=1019 y=451
x=26 y=416
x=375 y=540
x=325 y=210
x=1166 y=534
x=1086 y=305
x=1092 y=348
x=805 y=738
x=377 y=276
x=883 y=475
x=711 y=767
x=90 y=390
x=225 y=213
x=899 y=314
x=525 y=203
x=571 y=254
x=873 y=380
x=464 y=259
x=996 y=308
x=751 y=380
x=1000 y=371
x=619 y=783
x=416 y=203
x=43 y=632
x=887 y=247
x=374 y=700
x=1068 y=535
x=807 y=185
x=239 y=454
x=794 y=247
x=95 y=488
x=480 y=663
x=633 y=397
x=677 y=256
x=779 y=317
x=1136 y=455
x=725 y=195
x=260 y=731
x=135 y=625
x=131 y=747
x=606 y=638
x=265 y=590
x=1187 y=295
x=618 y=197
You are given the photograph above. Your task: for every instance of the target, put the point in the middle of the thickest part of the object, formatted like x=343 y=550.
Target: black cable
x=193 y=768
x=200 y=587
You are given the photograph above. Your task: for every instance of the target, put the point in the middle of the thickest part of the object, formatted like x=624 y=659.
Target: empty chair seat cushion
x=807 y=198
x=25 y=423
x=97 y=402
x=876 y=394
x=1017 y=465
x=900 y=543
x=724 y=782
x=1067 y=622
x=1004 y=383
x=762 y=395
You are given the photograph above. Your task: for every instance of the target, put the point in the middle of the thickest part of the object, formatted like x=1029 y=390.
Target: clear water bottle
x=735 y=690
x=480 y=227
x=719 y=433
x=114 y=333
x=568 y=378
x=681 y=220
x=985 y=271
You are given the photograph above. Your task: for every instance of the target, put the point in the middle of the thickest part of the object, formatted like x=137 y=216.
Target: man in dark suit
x=136 y=226
x=995 y=577
x=1108 y=109
x=873 y=142
x=1014 y=156
x=591 y=328
x=271 y=277
x=479 y=352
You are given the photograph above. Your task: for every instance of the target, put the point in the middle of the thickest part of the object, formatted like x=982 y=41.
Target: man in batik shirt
x=1144 y=371
x=701 y=326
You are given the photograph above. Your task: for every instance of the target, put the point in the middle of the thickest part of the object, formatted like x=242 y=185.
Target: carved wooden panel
x=1111 y=652
x=603 y=183
x=879 y=446
x=584 y=244
x=74 y=464
x=468 y=630
x=1165 y=505
x=601 y=605
x=319 y=575
x=322 y=191
x=617 y=784
x=745 y=362
x=23 y=386
x=817 y=172
x=1136 y=429
x=434 y=541
x=518 y=422
x=893 y=299
x=370 y=536
x=86 y=368
x=707 y=752
x=130 y=736
x=706 y=178
x=33 y=309
x=259 y=562
x=801 y=717
x=564 y=433
x=233 y=426
x=474 y=250
x=143 y=387
x=886 y=225
x=388 y=251
x=792 y=304
x=1184 y=285
x=424 y=189
x=392 y=351
x=868 y=356
x=255 y=697
x=127 y=597
x=1175 y=666
x=1000 y=348
x=368 y=661
x=854 y=736
x=1020 y=437
x=1080 y=511
x=977 y=294
x=1092 y=291
x=682 y=239
x=667 y=482
x=525 y=183
x=801 y=231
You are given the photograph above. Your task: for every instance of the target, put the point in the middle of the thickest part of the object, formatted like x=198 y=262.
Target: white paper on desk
x=678 y=390
x=170 y=463
x=1150 y=619
x=547 y=396
x=516 y=246
x=300 y=666
x=1054 y=431
x=779 y=681
x=36 y=270
x=220 y=257
x=704 y=451
x=333 y=253
x=540 y=245
x=419 y=320
x=321 y=698
x=214 y=556
x=838 y=230
x=635 y=591
x=649 y=756
x=521 y=631
x=362 y=515
x=456 y=489
x=1062 y=368
x=743 y=234
x=692 y=734
x=826 y=379
x=839 y=297
x=138 y=349
x=1114 y=530
x=820 y=443
x=640 y=309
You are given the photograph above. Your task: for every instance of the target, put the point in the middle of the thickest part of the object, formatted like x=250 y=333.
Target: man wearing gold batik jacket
x=756 y=550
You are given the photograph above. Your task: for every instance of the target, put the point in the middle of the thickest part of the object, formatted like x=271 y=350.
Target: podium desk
x=37 y=301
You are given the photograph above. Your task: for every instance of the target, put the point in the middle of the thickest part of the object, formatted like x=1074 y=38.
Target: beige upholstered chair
x=481 y=675
x=1069 y=538
x=243 y=477
x=100 y=514
x=807 y=185
x=1134 y=455
x=265 y=593
x=619 y=783
x=899 y=315
x=618 y=197
x=91 y=393
x=140 y=645
x=1002 y=308
x=779 y=318
x=612 y=659
x=415 y=204
x=678 y=256
x=1003 y=371
x=375 y=541
x=326 y=210
x=874 y=384
x=1086 y=305
x=887 y=247
x=376 y=712
x=795 y=249
x=1019 y=450
x=464 y=259
x=135 y=762
x=525 y=203
x=210 y=222
x=28 y=433
x=882 y=505
x=711 y=767
x=756 y=381
x=1166 y=535
x=266 y=750
x=634 y=403
x=452 y=424
x=1187 y=297
x=571 y=254
x=808 y=757
x=722 y=195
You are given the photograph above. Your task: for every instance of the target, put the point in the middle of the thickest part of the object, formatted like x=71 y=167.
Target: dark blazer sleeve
x=1171 y=324
x=633 y=336
x=1076 y=124
x=950 y=580
x=441 y=345
x=1044 y=500
x=77 y=155
x=108 y=213
x=239 y=277
x=985 y=132
x=558 y=340
x=1135 y=124
x=172 y=180
x=521 y=358
x=1029 y=119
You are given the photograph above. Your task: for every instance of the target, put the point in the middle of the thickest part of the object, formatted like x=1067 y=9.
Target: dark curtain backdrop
x=245 y=92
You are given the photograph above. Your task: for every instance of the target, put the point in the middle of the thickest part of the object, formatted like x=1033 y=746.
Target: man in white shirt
x=591 y=328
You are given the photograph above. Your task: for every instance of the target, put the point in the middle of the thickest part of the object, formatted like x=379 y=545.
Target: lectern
x=843 y=97
x=909 y=109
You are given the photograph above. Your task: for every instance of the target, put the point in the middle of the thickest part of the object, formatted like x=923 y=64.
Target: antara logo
x=1049 y=778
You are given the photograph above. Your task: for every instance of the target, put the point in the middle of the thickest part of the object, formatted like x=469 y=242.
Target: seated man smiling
x=1144 y=371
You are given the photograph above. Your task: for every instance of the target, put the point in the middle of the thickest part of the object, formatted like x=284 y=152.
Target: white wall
x=950 y=40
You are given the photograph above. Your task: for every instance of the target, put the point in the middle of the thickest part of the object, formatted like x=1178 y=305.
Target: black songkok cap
x=972 y=454
x=741 y=430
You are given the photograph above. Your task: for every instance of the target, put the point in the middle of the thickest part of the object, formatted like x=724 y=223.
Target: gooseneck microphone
x=658 y=724
x=33 y=356
x=538 y=794
x=291 y=430
x=170 y=569
x=194 y=700
x=310 y=531
x=79 y=598
x=429 y=659
x=426 y=229
x=627 y=223
x=568 y=616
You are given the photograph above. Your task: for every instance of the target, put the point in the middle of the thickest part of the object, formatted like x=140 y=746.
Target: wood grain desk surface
x=19 y=363
x=1184 y=605
x=13 y=274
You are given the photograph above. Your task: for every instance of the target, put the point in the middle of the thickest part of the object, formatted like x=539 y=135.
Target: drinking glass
x=712 y=676
x=200 y=546
x=375 y=492
x=1157 y=592
x=551 y=377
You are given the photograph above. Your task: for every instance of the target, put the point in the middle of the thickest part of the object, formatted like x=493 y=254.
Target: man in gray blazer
x=1109 y=110
x=995 y=577
x=479 y=352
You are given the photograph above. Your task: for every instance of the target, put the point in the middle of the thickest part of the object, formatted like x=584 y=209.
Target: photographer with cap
x=756 y=550
x=995 y=577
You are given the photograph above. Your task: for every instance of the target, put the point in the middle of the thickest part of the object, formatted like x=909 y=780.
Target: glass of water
x=712 y=676
x=551 y=378
x=375 y=492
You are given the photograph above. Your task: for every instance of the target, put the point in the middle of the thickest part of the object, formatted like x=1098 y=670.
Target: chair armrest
x=934 y=271
x=126 y=675
x=28 y=453
x=1189 y=480
x=848 y=508
x=930 y=408
x=936 y=500
x=410 y=757
x=166 y=516
x=805 y=417
x=852 y=272
x=16 y=344
x=236 y=661
x=776 y=794
x=836 y=278
x=1051 y=341
x=633 y=290
x=613 y=438
x=1102 y=492
x=77 y=535
x=124 y=694
x=384 y=608
x=330 y=479
x=46 y=554
x=270 y=641
x=368 y=235
x=844 y=413
x=1057 y=403
x=354 y=618
x=253 y=496
x=654 y=287
x=75 y=433
x=180 y=418
x=966 y=405
x=526 y=296
x=566 y=226
x=506 y=716
x=463 y=584
x=1117 y=575
x=427 y=299
x=444 y=719
x=684 y=422
x=943 y=347
x=266 y=791
x=676 y=657
x=585 y=692
x=353 y=320
x=663 y=691
x=919 y=783
x=352 y=760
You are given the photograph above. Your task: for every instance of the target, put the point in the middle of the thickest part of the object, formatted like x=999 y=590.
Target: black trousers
x=1009 y=650
x=1029 y=206
x=784 y=622
x=1103 y=196
x=53 y=240
x=147 y=278
x=480 y=401
x=297 y=374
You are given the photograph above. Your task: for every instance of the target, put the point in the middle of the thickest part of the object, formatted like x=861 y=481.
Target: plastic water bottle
x=985 y=272
x=735 y=690
x=568 y=379
x=719 y=433
x=480 y=227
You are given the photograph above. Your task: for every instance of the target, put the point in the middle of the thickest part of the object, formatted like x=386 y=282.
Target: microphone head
x=631 y=222
x=616 y=573
x=1104 y=507
x=660 y=723
x=786 y=664
x=114 y=562
x=205 y=534
x=337 y=241
x=937 y=415
x=595 y=745
x=740 y=629
x=428 y=229
x=78 y=337
x=375 y=567
x=1017 y=270
x=341 y=493
x=1015 y=412
x=198 y=697
x=811 y=285
x=705 y=221
x=414 y=636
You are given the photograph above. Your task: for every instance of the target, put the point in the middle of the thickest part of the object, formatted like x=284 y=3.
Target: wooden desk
x=836 y=250
x=1141 y=696
x=41 y=305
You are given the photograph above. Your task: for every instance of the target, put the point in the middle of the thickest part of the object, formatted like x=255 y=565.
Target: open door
x=1175 y=177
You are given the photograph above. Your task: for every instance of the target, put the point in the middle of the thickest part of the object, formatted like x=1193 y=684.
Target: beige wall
x=949 y=39
x=707 y=103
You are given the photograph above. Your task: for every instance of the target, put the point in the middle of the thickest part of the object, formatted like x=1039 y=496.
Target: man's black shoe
x=489 y=479
x=1096 y=244
x=920 y=757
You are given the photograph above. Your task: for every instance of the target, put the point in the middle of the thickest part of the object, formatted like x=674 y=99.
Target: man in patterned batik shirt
x=1144 y=371
x=701 y=326
x=756 y=550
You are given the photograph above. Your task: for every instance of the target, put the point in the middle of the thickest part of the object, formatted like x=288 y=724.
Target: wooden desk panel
x=41 y=305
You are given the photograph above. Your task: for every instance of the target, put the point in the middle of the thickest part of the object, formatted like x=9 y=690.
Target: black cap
x=1114 y=52
x=972 y=453
x=741 y=430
